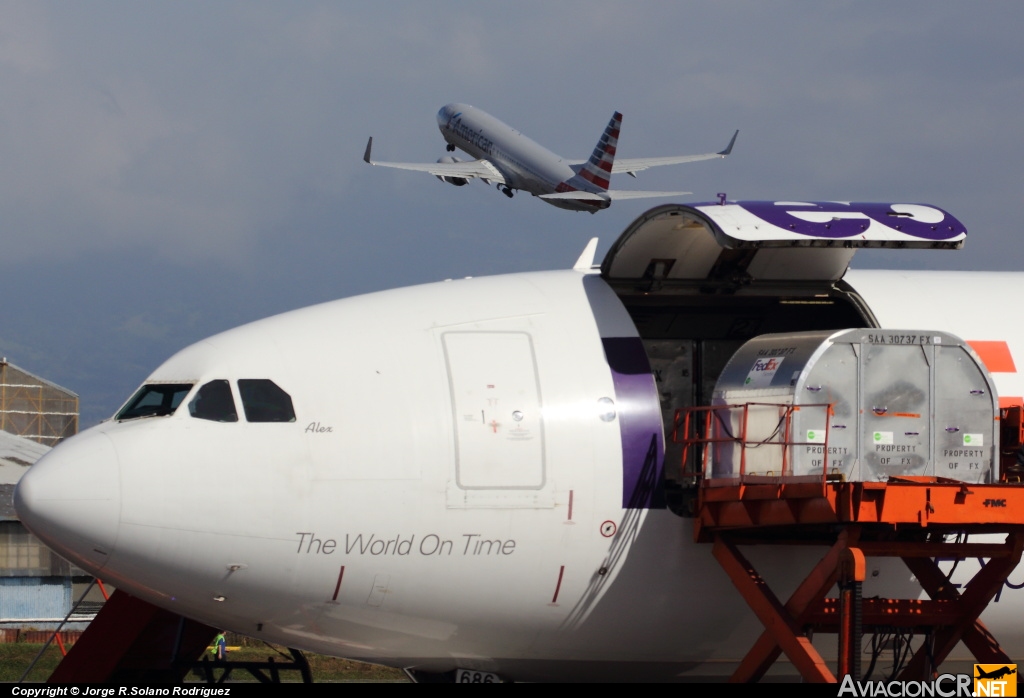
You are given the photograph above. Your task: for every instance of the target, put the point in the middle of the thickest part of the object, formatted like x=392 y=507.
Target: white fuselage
x=524 y=163
x=451 y=492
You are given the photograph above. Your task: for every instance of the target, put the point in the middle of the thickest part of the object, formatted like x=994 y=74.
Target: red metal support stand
x=132 y=641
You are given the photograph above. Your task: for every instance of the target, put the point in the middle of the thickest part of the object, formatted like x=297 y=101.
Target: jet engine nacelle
x=457 y=181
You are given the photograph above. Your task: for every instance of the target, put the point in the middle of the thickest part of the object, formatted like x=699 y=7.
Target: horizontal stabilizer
x=616 y=194
x=576 y=196
x=612 y=195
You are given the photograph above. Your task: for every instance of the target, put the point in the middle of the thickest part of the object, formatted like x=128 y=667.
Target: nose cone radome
x=71 y=499
x=446 y=113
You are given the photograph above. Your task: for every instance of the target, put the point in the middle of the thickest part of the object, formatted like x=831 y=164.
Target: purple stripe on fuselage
x=639 y=414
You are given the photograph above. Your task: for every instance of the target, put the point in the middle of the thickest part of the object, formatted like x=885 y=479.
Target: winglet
x=369 y=147
x=723 y=153
x=586 y=260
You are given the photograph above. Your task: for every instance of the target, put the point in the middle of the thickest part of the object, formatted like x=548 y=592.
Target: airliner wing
x=633 y=165
x=464 y=170
x=612 y=195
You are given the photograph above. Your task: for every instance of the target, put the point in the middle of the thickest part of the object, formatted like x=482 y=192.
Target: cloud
x=168 y=170
x=26 y=44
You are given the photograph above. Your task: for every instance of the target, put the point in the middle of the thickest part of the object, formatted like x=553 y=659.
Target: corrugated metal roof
x=39 y=378
x=16 y=455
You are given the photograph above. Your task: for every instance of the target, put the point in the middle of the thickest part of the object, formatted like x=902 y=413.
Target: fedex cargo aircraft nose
x=71 y=499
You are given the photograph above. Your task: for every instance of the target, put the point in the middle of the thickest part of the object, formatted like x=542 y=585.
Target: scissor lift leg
x=806 y=597
x=965 y=625
x=775 y=617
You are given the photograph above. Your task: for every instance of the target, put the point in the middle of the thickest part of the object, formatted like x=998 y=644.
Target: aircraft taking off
x=514 y=162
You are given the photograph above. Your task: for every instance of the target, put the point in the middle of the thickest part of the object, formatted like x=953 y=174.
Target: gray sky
x=172 y=169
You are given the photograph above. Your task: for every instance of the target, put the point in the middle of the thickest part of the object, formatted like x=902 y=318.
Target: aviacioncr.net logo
x=995 y=679
x=945 y=686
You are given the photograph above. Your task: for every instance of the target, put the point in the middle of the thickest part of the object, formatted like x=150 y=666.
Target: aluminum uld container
x=903 y=402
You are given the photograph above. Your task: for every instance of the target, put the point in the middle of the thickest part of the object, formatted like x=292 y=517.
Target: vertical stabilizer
x=598 y=169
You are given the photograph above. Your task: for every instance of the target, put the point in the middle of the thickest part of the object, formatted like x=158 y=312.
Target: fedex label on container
x=762 y=372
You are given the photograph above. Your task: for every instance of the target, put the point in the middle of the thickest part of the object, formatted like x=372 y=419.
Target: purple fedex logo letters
x=762 y=372
x=832 y=219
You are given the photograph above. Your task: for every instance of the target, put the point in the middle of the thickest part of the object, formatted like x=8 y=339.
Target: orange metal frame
x=950 y=615
x=908 y=517
x=690 y=436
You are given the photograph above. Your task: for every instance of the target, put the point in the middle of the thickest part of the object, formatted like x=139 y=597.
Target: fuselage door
x=741 y=242
x=497 y=410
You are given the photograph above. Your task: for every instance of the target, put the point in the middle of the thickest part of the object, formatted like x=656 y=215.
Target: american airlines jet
x=471 y=475
x=514 y=162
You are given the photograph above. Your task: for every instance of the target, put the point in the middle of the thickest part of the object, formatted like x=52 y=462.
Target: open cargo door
x=770 y=240
x=699 y=280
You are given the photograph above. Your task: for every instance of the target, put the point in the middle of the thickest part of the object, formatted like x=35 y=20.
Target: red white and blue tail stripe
x=598 y=169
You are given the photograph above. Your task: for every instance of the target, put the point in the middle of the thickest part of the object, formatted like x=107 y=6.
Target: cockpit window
x=214 y=402
x=264 y=401
x=154 y=400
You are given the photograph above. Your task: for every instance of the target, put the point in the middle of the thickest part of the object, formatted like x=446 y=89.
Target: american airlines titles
x=430 y=544
x=469 y=135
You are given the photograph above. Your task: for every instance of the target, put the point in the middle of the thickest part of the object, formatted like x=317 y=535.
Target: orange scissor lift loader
x=919 y=519
x=873 y=443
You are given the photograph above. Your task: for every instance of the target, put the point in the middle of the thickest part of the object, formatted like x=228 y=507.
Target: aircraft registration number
x=469 y=676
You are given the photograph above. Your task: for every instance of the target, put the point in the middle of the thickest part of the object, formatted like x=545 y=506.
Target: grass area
x=324 y=669
x=16 y=656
